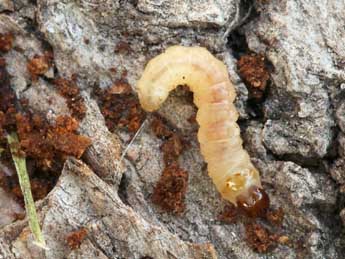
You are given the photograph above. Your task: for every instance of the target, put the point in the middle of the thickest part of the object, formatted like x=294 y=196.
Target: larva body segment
x=229 y=164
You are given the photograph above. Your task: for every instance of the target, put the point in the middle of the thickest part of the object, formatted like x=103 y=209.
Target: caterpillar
x=229 y=165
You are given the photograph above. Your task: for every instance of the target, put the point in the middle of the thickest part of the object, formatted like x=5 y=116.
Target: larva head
x=243 y=188
x=254 y=202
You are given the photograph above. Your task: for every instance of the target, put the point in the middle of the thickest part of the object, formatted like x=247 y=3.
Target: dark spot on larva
x=183 y=77
x=255 y=203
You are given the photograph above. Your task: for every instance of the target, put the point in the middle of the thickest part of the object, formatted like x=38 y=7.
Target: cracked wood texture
x=82 y=200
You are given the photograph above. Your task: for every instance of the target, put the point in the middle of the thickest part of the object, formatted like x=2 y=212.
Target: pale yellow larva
x=229 y=164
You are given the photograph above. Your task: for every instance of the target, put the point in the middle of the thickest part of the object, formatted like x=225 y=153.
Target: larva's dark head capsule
x=255 y=203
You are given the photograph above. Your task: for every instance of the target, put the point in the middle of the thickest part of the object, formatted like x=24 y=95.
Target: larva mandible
x=229 y=164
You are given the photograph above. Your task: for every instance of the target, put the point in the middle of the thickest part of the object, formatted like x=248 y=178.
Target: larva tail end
x=255 y=203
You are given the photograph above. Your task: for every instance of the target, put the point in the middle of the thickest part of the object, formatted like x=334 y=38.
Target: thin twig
x=24 y=182
x=132 y=140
